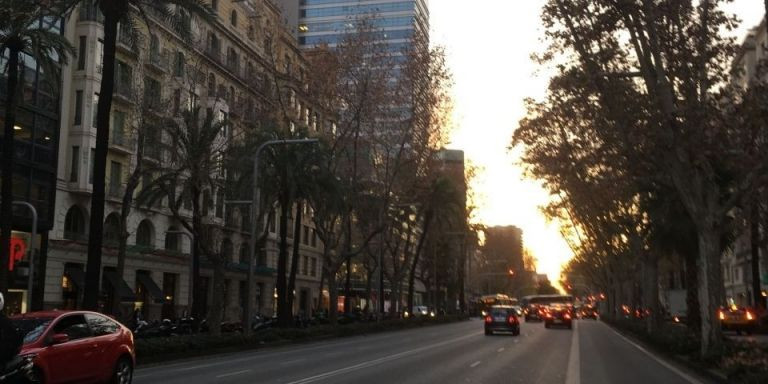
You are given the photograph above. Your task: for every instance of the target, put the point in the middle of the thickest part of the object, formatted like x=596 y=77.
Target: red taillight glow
x=512 y=320
x=750 y=316
x=488 y=319
x=567 y=316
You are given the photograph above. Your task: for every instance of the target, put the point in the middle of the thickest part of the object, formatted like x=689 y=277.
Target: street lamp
x=248 y=310
x=191 y=267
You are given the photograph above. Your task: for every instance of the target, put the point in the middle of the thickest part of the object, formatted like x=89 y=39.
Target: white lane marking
x=573 y=374
x=233 y=373
x=475 y=364
x=516 y=341
x=500 y=350
x=680 y=373
x=374 y=362
x=289 y=362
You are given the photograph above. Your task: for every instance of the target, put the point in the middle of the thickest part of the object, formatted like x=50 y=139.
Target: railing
x=122 y=140
x=124 y=90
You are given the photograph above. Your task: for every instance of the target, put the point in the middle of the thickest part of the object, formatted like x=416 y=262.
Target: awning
x=418 y=286
x=122 y=290
x=151 y=287
x=76 y=275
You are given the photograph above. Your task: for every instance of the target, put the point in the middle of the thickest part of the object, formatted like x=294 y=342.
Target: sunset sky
x=489 y=43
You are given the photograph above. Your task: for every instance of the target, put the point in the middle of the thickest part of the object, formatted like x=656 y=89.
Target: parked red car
x=77 y=347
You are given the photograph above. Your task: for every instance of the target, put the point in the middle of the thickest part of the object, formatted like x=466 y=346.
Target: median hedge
x=162 y=349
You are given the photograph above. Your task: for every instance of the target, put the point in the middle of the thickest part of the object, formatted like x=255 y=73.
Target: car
x=502 y=319
x=422 y=310
x=588 y=313
x=558 y=315
x=739 y=319
x=534 y=313
x=77 y=347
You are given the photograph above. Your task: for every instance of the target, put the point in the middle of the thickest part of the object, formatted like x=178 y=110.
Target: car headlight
x=432 y=314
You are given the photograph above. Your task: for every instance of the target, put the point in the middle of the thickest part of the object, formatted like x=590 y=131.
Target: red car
x=77 y=347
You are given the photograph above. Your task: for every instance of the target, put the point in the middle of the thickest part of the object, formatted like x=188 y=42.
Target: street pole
x=31 y=251
x=191 y=266
x=248 y=310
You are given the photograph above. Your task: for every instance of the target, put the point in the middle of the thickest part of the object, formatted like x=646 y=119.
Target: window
x=314 y=238
x=74 y=166
x=100 y=325
x=305 y=266
x=154 y=49
x=118 y=127
x=144 y=234
x=73 y=326
x=74 y=224
x=172 y=240
x=95 y=107
x=92 y=159
x=112 y=230
x=305 y=235
x=78 y=107
x=176 y=101
x=215 y=5
x=81 y=52
x=179 y=67
x=313 y=267
x=233 y=18
x=152 y=92
x=100 y=57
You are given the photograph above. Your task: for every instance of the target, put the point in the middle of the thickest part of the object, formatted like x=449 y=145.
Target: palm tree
x=22 y=31
x=173 y=12
x=190 y=172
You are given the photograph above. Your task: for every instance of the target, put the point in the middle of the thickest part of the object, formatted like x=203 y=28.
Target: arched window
x=227 y=249
x=74 y=224
x=145 y=235
x=112 y=230
x=233 y=18
x=172 y=240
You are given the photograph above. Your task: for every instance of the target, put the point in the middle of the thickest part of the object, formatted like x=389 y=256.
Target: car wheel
x=36 y=376
x=488 y=333
x=546 y=325
x=738 y=332
x=123 y=372
x=516 y=333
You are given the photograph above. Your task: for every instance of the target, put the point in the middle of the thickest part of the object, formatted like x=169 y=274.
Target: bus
x=487 y=301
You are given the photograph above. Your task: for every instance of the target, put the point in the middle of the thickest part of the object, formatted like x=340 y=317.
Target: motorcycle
x=19 y=370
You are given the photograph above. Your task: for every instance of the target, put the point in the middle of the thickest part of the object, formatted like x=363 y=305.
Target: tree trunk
x=754 y=242
x=113 y=11
x=125 y=211
x=216 y=314
x=348 y=252
x=283 y=312
x=197 y=231
x=320 y=290
x=296 y=257
x=333 y=296
x=6 y=194
x=416 y=257
x=368 y=289
x=692 y=295
x=461 y=272
x=651 y=292
x=709 y=294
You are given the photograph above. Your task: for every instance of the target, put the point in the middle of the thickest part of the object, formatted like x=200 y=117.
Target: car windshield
x=31 y=327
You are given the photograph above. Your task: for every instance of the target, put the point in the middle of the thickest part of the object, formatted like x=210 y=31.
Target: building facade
x=229 y=67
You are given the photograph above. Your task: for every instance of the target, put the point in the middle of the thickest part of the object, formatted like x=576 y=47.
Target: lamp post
x=33 y=235
x=248 y=310
x=191 y=266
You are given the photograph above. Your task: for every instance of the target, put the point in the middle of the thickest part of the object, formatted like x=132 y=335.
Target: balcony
x=157 y=63
x=89 y=11
x=123 y=92
x=122 y=143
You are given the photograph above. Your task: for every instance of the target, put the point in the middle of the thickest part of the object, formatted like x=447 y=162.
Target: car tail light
x=750 y=316
x=512 y=319
x=567 y=316
x=722 y=315
x=488 y=319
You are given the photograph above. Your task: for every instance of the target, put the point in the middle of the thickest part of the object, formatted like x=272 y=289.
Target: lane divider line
x=233 y=373
x=669 y=366
x=500 y=350
x=573 y=374
x=374 y=362
x=475 y=364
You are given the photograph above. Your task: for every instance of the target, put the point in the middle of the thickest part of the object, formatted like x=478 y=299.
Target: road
x=454 y=353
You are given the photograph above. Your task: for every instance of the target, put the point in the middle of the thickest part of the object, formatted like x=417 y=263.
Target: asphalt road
x=454 y=353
